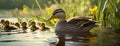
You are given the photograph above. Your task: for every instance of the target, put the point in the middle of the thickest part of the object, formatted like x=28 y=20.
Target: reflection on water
x=8 y=40
x=33 y=39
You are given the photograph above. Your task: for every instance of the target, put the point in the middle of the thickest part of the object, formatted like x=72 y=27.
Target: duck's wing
x=88 y=23
x=83 y=30
x=78 y=21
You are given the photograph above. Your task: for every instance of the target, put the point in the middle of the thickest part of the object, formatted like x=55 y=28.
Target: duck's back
x=78 y=21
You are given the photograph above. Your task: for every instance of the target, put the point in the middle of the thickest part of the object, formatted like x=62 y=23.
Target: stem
x=104 y=5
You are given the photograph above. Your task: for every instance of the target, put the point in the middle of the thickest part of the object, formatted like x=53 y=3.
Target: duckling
x=24 y=26
x=7 y=27
x=33 y=26
x=63 y=27
x=43 y=27
x=17 y=25
x=2 y=23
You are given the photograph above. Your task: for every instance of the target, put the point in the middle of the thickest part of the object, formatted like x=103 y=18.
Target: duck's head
x=58 y=13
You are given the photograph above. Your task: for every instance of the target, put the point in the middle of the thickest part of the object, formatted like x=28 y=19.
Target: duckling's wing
x=78 y=21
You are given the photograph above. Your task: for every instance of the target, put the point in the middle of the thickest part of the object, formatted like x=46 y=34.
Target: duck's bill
x=50 y=18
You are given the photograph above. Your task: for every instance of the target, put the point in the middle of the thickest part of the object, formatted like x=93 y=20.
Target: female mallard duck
x=33 y=26
x=7 y=27
x=73 y=26
x=43 y=27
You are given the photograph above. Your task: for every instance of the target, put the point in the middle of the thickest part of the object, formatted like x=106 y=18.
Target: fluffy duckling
x=7 y=27
x=43 y=27
x=2 y=23
x=24 y=26
x=33 y=26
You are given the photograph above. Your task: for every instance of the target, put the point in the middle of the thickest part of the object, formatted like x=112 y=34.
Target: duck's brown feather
x=78 y=21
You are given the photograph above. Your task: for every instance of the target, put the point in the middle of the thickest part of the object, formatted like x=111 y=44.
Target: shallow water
x=32 y=39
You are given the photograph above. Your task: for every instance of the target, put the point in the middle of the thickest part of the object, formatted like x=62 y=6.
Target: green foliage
x=107 y=14
x=11 y=4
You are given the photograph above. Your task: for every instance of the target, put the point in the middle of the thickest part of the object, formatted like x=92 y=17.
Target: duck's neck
x=62 y=20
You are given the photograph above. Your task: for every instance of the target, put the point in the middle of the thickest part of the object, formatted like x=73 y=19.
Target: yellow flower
x=49 y=9
x=25 y=9
x=93 y=10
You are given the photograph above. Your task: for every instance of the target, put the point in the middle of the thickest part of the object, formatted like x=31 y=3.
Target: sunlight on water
x=25 y=39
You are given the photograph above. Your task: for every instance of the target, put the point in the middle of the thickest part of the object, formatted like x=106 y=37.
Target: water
x=48 y=38
x=32 y=39
x=24 y=39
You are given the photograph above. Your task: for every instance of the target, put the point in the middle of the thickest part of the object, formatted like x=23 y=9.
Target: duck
x=43 y=27
x=7 y=27
x=24 y=26
x=33 y=26
x=17 y=25
x=2 y=23
x=75 y=26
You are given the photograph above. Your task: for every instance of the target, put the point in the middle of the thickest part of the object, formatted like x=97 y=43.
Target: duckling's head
x=42 y=24
x=24 y=24
x=2 y=21
x=33 y=23
x=58 y=13
x=17 y=24
x=7 y=22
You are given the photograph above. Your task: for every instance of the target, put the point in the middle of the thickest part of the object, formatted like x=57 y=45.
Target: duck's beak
x=50 y=18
